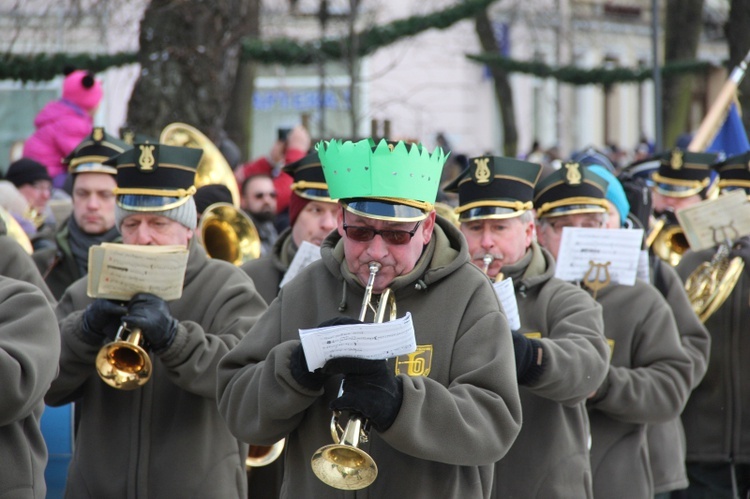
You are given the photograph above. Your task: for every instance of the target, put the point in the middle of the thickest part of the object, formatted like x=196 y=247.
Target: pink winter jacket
x=60 y=127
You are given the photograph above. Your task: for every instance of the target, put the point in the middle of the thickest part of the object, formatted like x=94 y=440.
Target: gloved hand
x=101 y=320
x=301 y=372
x=375 y=394
x=529 y=358
x=151 y=315
x=298 y=363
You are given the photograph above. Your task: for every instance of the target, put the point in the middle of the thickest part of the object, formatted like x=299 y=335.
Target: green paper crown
x=359 y=169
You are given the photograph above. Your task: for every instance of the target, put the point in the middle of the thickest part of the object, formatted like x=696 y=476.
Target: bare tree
x=738 y=37
x=503 y=91
x=681 y=36
x=189 y=55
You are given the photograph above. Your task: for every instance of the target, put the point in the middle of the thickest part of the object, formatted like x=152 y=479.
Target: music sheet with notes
x=593 y=253
x=305 y=255
x=119 y=271
x=365 y=341
x=711 y=222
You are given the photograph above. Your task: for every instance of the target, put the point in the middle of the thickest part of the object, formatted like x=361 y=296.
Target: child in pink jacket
x=62 y=124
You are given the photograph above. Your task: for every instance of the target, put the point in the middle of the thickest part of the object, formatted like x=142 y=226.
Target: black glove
x=150 y=314
x=298 y=363
x=301 y=372
x=101 y=320
x=375 y=394
x=529 y=358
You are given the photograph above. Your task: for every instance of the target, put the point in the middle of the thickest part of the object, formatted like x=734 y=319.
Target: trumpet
x=124 y=364
x=487 y=260
x=667 y=239
x=343 y=465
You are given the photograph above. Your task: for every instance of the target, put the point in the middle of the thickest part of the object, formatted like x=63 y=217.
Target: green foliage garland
x=43 y=67
x=592 y=76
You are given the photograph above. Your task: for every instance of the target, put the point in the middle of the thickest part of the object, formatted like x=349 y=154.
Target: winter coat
x=460 y=411
x=166 y=438
x=60 y=127
x=550 y=458
x=30 y=347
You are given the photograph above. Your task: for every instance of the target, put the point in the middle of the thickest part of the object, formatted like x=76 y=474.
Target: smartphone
x=283 y=133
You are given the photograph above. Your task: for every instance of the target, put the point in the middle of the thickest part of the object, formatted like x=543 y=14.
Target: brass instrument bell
x=228 y=234
x=124 y=364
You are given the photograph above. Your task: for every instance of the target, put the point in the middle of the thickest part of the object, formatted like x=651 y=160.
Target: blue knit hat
x=615 y=192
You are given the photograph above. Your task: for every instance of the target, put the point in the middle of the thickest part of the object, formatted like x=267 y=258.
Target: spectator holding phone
x=291 y=145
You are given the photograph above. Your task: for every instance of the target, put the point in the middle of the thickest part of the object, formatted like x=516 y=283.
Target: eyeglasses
x=391 y=236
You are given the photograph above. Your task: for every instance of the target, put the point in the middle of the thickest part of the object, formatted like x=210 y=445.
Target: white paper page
x=507 y=296
x=365 y=341
x=616 y=250
x=306 y=254
x=710 y=222
x=644 y=267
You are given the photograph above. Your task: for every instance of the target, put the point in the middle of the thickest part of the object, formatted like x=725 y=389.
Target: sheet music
x=644 y=267
x=365 y=341
x=119 y=271
x=507 y=296
x=306 y=254
x=710 y=222
x=621 y=248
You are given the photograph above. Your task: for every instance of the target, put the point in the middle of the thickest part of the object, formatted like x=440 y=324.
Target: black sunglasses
x=365 y=234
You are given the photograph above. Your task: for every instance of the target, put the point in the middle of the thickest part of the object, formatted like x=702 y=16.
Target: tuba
x=667 y=239
x=124 y=364
x=213 y=167
x=711 y=283
x=343 y=465
x=228 y=234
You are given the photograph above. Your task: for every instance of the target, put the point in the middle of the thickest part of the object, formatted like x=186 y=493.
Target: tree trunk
x=683 y=24
x=738 y=38
x=189 y=54
x=503 y=91
x=240 y=114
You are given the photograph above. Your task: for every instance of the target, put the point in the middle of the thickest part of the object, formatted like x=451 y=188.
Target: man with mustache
x=439 y=417
x=561 y=353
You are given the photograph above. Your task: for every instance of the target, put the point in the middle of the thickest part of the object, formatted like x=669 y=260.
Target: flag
x=731 y=139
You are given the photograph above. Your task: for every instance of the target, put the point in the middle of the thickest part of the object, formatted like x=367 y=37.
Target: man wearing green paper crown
x=439 y=417
x=164 y=437
x=650 y=373
x=561 y=353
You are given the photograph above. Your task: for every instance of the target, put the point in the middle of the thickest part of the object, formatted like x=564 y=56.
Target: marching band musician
x=561 y=353
x=165 y=438
x=312 y=216
x=440 y=417
x=18 y=264
x=666 y=441
x=649 y=377
x=29 y=349
x=92 y=220
x=717 y=415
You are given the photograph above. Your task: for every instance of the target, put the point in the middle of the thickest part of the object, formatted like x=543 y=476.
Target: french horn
x=343 y=465
x=711 y=283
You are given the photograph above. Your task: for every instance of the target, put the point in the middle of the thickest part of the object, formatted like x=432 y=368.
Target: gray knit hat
x=185 y=214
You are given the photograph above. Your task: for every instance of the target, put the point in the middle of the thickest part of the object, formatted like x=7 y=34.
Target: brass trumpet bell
x=343 y=465
x=668 y=242
x=263 y=455
x=228 y=234
x=124 y=364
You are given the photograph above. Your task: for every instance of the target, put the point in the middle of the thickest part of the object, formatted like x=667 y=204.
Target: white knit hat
x=185 y=214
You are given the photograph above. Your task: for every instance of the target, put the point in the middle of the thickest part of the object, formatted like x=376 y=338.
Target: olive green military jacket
x=550 y=457
x=649 y=380
x=460 y=412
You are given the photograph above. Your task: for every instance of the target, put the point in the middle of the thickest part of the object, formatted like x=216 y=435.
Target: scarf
x=80 y=242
